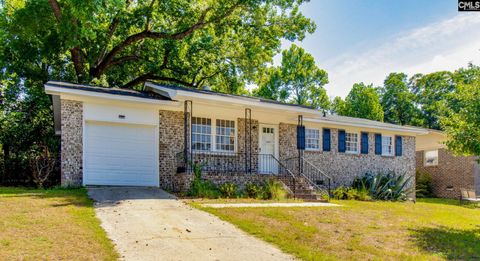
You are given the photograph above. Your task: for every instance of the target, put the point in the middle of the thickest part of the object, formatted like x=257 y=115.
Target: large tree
x=124 y=43
x=297 y=80
x=397 y=100
x=363 y=102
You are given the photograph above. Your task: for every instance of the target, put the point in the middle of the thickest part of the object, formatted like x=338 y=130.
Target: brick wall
x=71 y=142
x=450 y=175
x=171 y=142
x=342 y=167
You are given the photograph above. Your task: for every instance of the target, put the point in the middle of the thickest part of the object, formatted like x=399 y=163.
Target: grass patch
x=54 y=224
x=431 y=229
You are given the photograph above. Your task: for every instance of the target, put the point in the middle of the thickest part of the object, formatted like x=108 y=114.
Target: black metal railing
x=227 y=163
x=315 y=177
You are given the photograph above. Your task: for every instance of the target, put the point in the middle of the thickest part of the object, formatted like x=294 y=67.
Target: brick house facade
x=154 y=127
x=451 y=173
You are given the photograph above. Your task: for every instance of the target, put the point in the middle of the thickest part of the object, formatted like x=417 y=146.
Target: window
x=225 y=135
x=431 y=158
x=351 y=142
x=387 y=146
x=268 y=130
x=312 y=139
x=201 y=134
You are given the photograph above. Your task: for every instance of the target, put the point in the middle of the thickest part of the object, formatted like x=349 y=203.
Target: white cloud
x=445 y=45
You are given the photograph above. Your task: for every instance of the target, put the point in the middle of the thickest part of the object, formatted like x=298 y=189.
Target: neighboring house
x=113 y=136
x=449 y=173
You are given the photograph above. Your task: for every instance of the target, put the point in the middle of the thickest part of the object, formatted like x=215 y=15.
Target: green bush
x=273 y=189
x=348 y=193
x=202 y=188
x=228 y=190
x=253 y=190
x=423 y=185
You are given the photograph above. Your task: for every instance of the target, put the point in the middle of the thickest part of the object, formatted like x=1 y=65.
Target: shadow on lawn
x=451 y=202
x=65 y=196
x=453 y=244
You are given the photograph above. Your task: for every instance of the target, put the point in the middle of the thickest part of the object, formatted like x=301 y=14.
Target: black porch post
x=187 y=126
x=300 y=143
x=248 y=140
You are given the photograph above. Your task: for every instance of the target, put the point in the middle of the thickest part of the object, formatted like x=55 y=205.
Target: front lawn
x=57 y=224
x=430 y=229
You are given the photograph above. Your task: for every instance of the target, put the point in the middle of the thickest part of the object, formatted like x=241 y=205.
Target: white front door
x=266 y=161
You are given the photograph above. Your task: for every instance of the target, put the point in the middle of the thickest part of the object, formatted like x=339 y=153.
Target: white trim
x=276 y=137
x=53 y=90
x=358 y=142
x=157 y=148
x=393 y=145
x=320 y=137
x=213 y=141
x=393 y=128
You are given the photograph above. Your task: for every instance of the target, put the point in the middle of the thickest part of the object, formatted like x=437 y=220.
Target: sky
x=365 y=40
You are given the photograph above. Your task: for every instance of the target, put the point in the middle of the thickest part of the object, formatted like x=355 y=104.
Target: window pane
x=225 y=135
x=312 y=139
x=431 y=158
x=387 y=145
x=351 y=142
x=201 y=133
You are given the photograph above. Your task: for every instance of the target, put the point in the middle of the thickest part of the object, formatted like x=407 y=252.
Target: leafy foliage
x=361 y=102
x=228 y=190
x=298 y=80
x=423 y=186
x=273 y=189
x=396 y=99
x=252 y=190
x=202 y=188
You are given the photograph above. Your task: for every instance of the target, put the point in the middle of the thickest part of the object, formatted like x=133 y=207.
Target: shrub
x=228 y=190
x=340 y=193
x=202 y=188
x=423 y=185
x=384 y=186
x=252 y=190
x=273 y=189
x=42 y=165
x=348 y=193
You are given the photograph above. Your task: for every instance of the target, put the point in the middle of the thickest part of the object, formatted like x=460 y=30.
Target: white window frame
x=392 y=145
x=234 y=135
x=210 y=135
x=425 y=158
x=357 y=145
x=213 y=135
x=318 y=138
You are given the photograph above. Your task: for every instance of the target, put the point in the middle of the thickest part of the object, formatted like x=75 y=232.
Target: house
x=112 y=136
x=449 y=172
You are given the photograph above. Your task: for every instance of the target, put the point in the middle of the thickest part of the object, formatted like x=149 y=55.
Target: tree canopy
x=124 y=43
x=362 y=101
x=297 y=80
x=397 y=100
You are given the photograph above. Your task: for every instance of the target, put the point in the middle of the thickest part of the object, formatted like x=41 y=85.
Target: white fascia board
x=186 y=95
x=162 y=91
x=53 y=90
x=393 y=128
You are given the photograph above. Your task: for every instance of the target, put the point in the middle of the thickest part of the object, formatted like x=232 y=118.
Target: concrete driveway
x=150 y=224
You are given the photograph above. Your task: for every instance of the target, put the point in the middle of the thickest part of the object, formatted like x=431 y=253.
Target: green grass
x=54 y=224
x=431 y=229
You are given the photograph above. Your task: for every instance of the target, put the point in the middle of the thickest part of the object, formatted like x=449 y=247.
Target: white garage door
x=120 y=154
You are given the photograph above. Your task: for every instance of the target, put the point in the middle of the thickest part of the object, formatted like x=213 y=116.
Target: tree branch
x=75 y=52
x=147 y=34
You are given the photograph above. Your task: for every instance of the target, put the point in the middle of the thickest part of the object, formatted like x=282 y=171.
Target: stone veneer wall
x=343 y=167
x=71 y=142
x=171 y=142
x=451 y=174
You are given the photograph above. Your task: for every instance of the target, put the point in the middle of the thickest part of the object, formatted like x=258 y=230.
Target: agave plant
x=384 y=186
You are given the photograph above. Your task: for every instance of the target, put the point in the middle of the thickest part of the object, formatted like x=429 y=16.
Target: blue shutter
x=326 y=140
x=341 y=141
x=398 y=145
x=378 y=144
x=364 y=143
x=300 y=137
